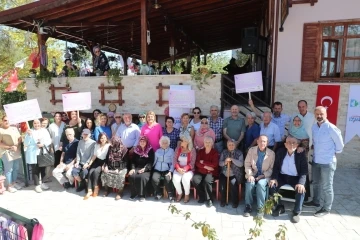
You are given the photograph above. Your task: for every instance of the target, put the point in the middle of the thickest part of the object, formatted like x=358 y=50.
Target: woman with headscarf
x=298 y=131
x=141 y=165
x=202 y=132
x=100 y=62
x=114 y=168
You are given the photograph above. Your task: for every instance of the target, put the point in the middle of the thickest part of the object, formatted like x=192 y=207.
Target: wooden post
x=198 y=57
x=205 y=55
x=172 y=57
x=125 y=57
x=188 y=64
x=144 y=46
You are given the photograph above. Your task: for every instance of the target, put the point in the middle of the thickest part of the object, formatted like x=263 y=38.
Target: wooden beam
x=144 y=45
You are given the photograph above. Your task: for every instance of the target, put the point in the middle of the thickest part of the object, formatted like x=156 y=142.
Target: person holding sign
x=36 y=139
x=10 y=140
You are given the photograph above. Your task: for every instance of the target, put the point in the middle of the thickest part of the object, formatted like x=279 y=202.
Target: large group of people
x=109 y=151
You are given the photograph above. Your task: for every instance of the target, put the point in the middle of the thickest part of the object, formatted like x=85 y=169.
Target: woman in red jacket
x=206 y=169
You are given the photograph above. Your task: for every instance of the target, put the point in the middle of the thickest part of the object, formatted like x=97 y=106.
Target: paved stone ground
x=65 y=215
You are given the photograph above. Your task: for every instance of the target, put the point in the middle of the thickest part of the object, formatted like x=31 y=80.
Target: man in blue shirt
x=216 y=124
x=327 y=141
x=271 y=130
x=291 y=168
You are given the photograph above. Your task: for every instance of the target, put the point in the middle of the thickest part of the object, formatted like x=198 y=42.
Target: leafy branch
x=259 y=221
x=206 y=230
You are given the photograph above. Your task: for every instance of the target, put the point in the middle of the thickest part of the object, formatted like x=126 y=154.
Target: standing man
x=327 y=141
x=115 y=126
x=10 y=140
x=129 y=133
x=271 y=130
x=56 y=129
x=234 y=126
x=309 y=118
x=277 y=117
x=216 y=124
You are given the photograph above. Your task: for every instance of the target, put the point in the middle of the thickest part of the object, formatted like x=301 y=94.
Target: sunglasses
x=117 y=117
x=141 y=117
x=204 y=123
x=196 y=112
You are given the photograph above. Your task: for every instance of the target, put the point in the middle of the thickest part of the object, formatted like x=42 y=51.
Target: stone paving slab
x=65 y=215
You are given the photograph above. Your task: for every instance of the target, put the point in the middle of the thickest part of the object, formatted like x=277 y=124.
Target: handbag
x=45 y=160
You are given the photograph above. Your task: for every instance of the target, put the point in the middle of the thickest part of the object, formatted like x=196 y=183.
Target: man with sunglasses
x=115 y=126
x=142 y=120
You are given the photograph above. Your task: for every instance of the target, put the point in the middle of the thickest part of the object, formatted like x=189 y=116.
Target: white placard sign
x=76 y=101
x=176 y=112
x=248 y=82
x=23 y=111
x=353 y=114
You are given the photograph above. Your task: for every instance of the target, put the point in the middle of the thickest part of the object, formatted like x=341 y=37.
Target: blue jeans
x=11 y=169
x=323 y=177
x=261 y=187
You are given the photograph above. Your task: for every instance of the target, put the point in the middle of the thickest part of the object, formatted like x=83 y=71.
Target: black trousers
x=36 y=172
x=233 y=191
x=138 y=182
x=155 y=180
x=94 y=173
x=57 y=156
x=203 y=184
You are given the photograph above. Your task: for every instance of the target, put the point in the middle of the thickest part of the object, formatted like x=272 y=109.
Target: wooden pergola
x=122 y=26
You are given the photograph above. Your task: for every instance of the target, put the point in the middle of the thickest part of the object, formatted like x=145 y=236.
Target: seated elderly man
x=85 y=151
x=67 y=159
x=259 y=164
x=290 y=168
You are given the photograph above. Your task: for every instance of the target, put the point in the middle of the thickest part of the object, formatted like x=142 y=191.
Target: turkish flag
x=328 y=97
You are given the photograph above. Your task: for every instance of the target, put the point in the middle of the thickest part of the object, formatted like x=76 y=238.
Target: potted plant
x=44 y=76
x=114 y=74
x=32 y=73
x=73 y=73
x=201 y=74
x=177 y=69
x=98 y=72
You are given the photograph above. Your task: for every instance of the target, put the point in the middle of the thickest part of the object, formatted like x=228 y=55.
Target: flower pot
x=32 y=75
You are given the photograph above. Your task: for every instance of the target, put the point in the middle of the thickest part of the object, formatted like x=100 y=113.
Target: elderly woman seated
x=206 y=169
x=184 y=160
x=114 y=169
x=232 y=166
x=163 y=168
x=141 y=165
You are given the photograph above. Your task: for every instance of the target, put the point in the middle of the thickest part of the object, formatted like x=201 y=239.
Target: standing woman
x=35 y=139
x=186 y=130
x=195 y=122
x=115 y=167
x=95 y=164
x=206 y=170
x=152 y=130
x=202 y=132
x=100 y=62
x=184 y=161
x=95 y=115
x=141 y=165
x=102 y=118
x=89 y=124
x=171 y=132
x=235 y=158
x=76 y=123
x=56 y=130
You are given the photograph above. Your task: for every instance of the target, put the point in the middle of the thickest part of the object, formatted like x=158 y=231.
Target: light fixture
x=156 y=5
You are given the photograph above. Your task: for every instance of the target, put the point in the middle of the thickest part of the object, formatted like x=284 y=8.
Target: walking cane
x=227 y=182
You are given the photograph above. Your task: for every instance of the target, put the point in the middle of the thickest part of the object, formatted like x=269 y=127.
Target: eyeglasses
x=292 y=143
x=204 y=123
x=118 y=117
x=141 y=117
x=196 y=112
x=97 y=51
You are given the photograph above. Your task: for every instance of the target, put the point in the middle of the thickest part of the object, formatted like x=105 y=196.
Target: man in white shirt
x=56 y=129
x=309 y=118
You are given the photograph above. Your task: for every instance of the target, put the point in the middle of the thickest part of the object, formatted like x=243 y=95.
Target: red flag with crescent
x=328 y=97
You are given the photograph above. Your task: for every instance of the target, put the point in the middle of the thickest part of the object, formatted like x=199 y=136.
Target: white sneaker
x=44 y=186
x=18 y=186
x=11 y=189
x=38 y=189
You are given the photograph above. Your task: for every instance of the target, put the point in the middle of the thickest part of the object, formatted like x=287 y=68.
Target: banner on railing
x=353 y=114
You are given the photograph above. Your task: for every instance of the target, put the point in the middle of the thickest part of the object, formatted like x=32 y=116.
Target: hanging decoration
x=148 y=37
x=13 y=82
x=67 y=54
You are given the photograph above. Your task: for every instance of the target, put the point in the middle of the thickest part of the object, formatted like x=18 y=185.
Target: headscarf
x=143 y=152
x=201 y=131
x=117 y=150
x=298 y=132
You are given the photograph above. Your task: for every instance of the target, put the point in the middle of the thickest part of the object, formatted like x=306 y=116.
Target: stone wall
x=290 y=93
x=139 y=93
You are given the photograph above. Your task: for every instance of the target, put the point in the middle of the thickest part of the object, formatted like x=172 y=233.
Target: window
x=331 y=51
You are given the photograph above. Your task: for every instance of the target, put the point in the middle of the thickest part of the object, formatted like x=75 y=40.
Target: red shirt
x=211 y=160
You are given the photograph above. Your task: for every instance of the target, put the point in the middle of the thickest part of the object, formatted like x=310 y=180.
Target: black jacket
x=300 y=163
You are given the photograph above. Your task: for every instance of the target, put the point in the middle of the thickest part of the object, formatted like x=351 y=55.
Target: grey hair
x=297 y=140
x=69 y=130
x=214 y=106
x=320 y=108
x=188 y=139
x=166 y=138
x=251 y=114
x=208 y=138
x=127 y=114
x=268 y=113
